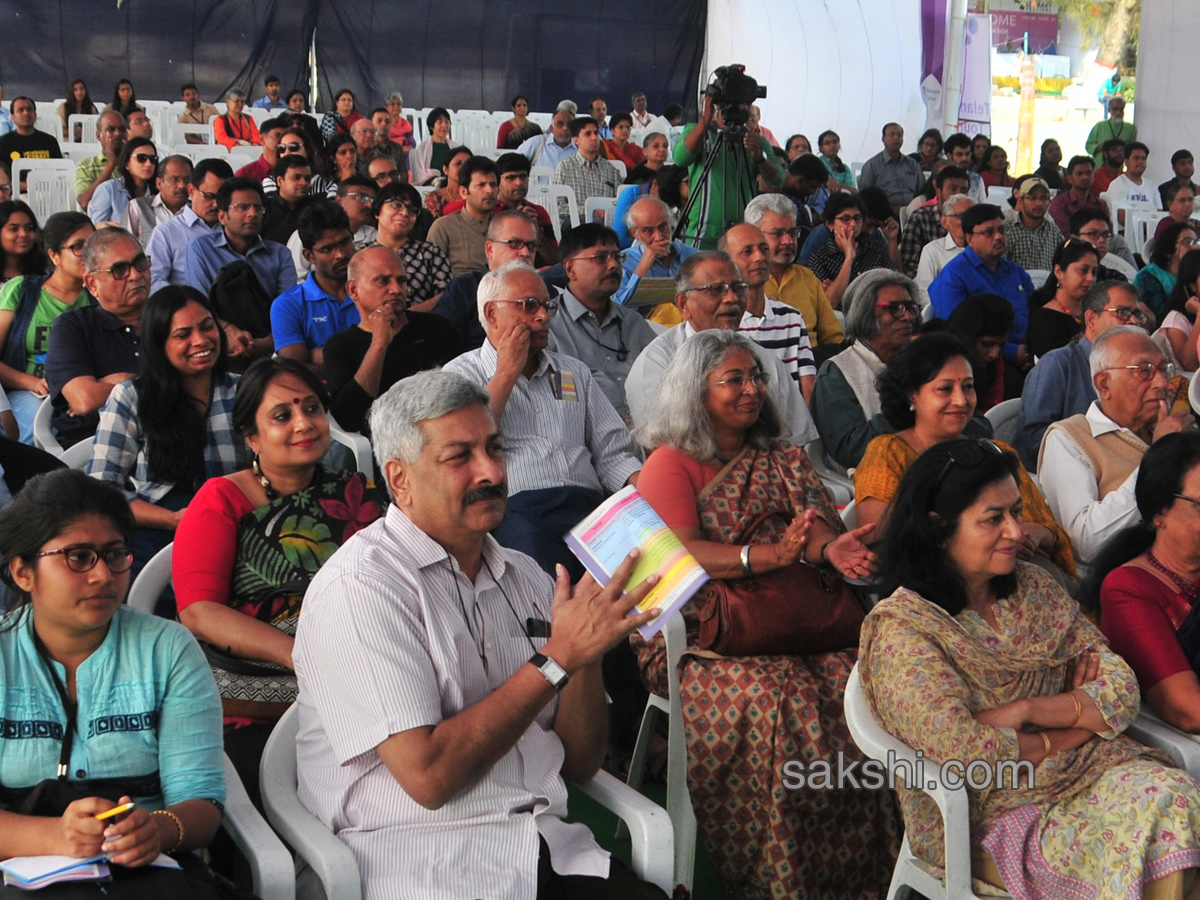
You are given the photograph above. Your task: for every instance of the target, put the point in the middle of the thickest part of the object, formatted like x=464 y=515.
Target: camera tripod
x=731 y=207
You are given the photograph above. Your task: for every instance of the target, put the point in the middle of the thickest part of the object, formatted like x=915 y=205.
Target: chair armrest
x=359 y=445
x=1152 y=731
x=328 y=857
x=270 y=863
x=649 y=827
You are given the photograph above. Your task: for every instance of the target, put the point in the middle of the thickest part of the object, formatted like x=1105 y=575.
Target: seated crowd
x=512 y=367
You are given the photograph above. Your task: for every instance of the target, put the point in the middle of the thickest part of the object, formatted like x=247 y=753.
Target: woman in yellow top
x=928 y=392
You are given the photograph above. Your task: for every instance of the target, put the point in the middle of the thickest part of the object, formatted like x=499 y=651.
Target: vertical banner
x=934 y=26
x=975 y=110
x=1025 y=122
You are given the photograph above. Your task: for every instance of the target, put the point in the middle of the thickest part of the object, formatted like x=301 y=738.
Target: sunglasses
x=290 y=147
x=968 y=454
x=146 y=158
x=120 y=271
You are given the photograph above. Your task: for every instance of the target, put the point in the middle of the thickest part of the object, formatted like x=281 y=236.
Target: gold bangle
x=1078 y=710
x=1046 y=741
x=178 y=824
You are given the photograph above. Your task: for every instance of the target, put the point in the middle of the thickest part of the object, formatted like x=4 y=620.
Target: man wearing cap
x=1033 y=237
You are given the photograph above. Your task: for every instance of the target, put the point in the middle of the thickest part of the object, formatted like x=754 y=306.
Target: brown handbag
x=798 y=610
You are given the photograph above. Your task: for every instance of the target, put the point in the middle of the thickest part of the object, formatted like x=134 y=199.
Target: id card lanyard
x=71 y=707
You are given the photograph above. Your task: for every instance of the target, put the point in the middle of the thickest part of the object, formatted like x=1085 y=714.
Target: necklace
x=1189 y=591
x=272 y=494
x=1058 y=307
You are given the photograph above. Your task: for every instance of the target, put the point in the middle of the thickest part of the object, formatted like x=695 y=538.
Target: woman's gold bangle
x=178 y=824
x=1078 y=710
x=1046 y=741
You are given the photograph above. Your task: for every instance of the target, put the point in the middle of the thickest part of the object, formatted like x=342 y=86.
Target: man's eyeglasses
x=968 y=454
x=604 y=258
x=210 y=196
x=1146 y=371
x=777 y=233
x=738 y=382
x=531 y=305
x=120 y=271
x=719 y=289
x=83 y=559
x=289 y=147
x=1096 y=235
x=176 y=179
x=246 y=207
x=900 y=309
x=364 y=199
x=1125 y=314
x=988 y=233
x=516 y=245
x=389 y=175
x=146 y=158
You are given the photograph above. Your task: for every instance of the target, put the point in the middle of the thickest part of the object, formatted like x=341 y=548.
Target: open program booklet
x=624 y=521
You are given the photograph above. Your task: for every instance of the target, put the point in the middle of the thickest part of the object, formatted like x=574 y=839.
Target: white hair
x=653 y=201
x=235 y=92
x=394 y=95
x=492 y=285
x=397 y=415
x=567 y=106
x=956 y=203
x=1104 y=356
x=769 y=203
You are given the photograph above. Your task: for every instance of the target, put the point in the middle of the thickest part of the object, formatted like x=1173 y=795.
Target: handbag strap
x=71 y=707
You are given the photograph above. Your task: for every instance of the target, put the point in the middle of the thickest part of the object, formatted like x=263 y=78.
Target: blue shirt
x=626 y=199
x=168 y=245
x=967 y=275
x=307 y=315
x=633 y=256
x=149 y=712
x=542 y=151
x=459 y=305
x=207 y=253
x=6 y=122
x=265 y=102
x=1058 y=387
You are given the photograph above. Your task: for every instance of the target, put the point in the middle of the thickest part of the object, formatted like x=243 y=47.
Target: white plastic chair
x=539 y=175
x=79 y=152
x=1152 y=731
x=548 y=196
x=49 y=192
x=50 y=123
x=87 y=128
x=607 y=205
x=151 y=581
x=1003 y=417
x=21 y=167
x=357 y=444
x=1038 y=277
x=1142 y=230
x=203 y=131
x=77 y=456
x=620 y=167
x=43 y=434
x=952 y=802
x=999 y=195
x=839 y=483
x=679 y=800
x=335 y=866
x=271 y=866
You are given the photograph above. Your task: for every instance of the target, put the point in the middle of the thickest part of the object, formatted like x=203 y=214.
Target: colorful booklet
x=32 y=872
x=624 y=521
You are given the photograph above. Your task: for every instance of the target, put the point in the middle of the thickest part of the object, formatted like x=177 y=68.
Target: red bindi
x=296 y=400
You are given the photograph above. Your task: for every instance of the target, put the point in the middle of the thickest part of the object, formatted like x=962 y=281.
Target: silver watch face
x=554 y=673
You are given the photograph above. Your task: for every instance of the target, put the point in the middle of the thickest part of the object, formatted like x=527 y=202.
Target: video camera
x=733 y=92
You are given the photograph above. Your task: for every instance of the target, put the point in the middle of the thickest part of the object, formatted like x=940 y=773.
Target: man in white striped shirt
x=567 y=446
x=447 y=686
x=776 y=327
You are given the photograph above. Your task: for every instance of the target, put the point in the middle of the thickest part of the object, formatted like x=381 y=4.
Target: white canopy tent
x=852 y=65
x=1167 y=105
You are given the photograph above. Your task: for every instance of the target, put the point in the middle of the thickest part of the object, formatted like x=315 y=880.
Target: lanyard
x=69 y=706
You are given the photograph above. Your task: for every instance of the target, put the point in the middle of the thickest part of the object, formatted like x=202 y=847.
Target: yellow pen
x=115 y=811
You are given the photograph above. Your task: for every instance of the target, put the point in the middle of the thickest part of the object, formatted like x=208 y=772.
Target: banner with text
x=975 y=110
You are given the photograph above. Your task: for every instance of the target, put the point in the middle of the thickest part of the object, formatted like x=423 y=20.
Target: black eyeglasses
x=967 y=454
x=604 y=258
x=1096 y=235
x=146 y=158
x=1125 y=314
x=899 y=309
x=290 y=147
x=516 y=245
x=531 y=305
x=82 y=558
x=120 y=271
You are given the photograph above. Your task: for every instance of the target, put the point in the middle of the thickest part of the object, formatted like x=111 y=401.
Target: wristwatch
x=551 y=671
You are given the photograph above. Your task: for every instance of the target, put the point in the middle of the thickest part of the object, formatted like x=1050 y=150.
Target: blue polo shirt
x=307 y=315
x=967 y=275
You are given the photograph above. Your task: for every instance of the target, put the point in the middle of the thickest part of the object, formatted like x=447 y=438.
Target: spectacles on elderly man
x=1125 y=314
x=1145 y=371
x=900 y=309
x=719 y=289
x=531 y=304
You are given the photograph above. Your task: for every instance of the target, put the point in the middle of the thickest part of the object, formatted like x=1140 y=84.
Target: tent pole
x=956 y=43
x=313 y=94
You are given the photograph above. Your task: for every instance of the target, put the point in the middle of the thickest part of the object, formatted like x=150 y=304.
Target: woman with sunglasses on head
x=983 y=659
x=927 y=393
x=295 y=140
x=29 y=305
x=240 y=578
x=717 y=468
x=121 y=702
x=1157 y=280
x=20 y=253
x=165 y=432
x=1056 y=313
x=137 y=168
